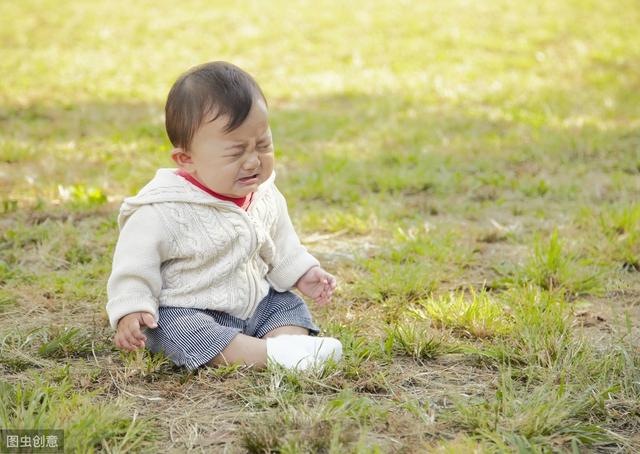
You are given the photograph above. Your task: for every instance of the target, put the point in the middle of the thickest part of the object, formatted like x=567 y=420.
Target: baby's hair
x=217 y=88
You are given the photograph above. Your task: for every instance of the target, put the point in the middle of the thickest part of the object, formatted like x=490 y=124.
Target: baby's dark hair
x=218 y=88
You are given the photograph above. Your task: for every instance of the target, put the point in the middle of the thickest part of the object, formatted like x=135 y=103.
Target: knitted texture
x=179 y=246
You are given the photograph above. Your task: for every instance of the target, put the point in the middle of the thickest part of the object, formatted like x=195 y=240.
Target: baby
x=207 y=254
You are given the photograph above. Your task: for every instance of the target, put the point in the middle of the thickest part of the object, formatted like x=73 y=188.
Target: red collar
x=240 y=201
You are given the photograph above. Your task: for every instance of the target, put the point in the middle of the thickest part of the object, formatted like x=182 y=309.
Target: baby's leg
x=279 y=331
x=281 y=313
x=297 y=350
x=244 y=350
x=251 y=350
x=192 y=337
x=289 y=329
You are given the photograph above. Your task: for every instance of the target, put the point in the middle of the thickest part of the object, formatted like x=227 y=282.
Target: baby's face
x=235 y=163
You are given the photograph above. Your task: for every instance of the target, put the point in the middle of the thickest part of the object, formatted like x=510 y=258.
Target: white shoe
x=302 y=352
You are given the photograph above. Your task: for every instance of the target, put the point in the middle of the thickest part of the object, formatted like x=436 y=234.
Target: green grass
x=88 y=425
x=418 y=341
x=343 y=423
x=539 y=418
x=477 y=315
x=551 y=266
x=468 y=170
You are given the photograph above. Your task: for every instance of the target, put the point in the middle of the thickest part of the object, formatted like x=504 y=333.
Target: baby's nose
x=252 y=161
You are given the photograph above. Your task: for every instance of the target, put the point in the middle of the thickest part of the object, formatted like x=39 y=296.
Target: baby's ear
x=182 y=158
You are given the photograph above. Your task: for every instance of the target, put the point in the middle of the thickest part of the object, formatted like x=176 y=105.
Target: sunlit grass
x=452 y=66
x=622 y=228
x=338 y=221
x=539 y=418
x=476 y=314
x=418 y=340
x=553 y=266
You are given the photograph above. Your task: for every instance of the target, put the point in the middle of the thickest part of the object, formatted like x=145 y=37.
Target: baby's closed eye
x=264 y=146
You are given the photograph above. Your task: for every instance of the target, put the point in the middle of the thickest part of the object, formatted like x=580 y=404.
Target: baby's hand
x=317 y=284
x=129 y=335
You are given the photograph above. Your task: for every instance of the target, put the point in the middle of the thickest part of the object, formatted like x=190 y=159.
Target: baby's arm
x=291 y=259
x=135 y=281
x=294 y=266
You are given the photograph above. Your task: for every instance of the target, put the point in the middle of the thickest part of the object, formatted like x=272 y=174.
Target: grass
x=88 y=425
x=468 y=171
x=343 y=422
x=558 y=408
x=418 y=341
x=551 y=267
x=538 y=418
x=621 y=225
x=478 y=315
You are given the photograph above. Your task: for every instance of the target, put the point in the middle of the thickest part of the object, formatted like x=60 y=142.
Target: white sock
x=299 y=351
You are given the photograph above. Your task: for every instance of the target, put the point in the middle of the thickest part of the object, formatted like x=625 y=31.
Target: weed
x=384 y=281
x=15 y=360
x=20 y=340
x=621 y=220
x=81 y=196
x=336 y=425
x=537 y=417
x=65 y=342
x=338 y=221
x=7 y=298
x=537 y=188
x=6 y=272
x=540 y=329
x=87 y=425
x=220 y=372
x=418 y=340
x=622 y=229
x=410 y=265
x=551 y=267
x=358 y=350
x=478 y=314
x=145 y=364
x=460 y=444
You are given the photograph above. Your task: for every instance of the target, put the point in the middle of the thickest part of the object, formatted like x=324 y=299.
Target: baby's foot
x=298 y=351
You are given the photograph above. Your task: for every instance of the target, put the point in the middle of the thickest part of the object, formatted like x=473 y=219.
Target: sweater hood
x=166 y=186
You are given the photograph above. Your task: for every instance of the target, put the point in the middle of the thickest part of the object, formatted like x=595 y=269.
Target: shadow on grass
x=334 y=148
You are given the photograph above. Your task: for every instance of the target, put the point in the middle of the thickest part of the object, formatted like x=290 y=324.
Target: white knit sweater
x=179 y=246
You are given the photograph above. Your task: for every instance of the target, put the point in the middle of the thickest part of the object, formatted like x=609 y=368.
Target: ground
x=470 y=171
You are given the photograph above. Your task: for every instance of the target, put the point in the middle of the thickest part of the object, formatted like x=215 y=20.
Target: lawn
x=470 y=171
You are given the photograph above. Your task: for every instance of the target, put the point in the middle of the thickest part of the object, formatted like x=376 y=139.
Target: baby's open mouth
x=251 y=177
